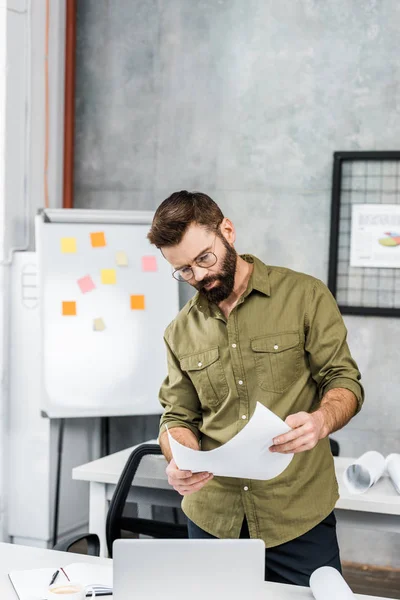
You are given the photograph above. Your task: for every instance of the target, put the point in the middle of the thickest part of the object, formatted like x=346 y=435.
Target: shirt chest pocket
x=207 y=375
x=277 y=360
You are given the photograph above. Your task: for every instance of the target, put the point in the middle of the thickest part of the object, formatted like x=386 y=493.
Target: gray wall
x=247 y=100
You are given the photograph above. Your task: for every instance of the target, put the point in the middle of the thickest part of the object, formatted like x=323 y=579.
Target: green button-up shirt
x=284 y=345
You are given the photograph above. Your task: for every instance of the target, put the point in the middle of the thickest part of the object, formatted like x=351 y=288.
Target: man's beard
x=226 y=279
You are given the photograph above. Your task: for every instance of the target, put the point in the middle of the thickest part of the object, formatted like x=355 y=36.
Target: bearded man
x=253 y=333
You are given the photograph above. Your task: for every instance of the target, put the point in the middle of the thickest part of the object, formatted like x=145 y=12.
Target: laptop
x=188 y=569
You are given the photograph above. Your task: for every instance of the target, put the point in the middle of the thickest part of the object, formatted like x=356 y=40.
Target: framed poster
x=364 y=249
x=375 y=236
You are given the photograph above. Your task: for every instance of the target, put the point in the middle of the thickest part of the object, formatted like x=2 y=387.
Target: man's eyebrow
x=199 y=254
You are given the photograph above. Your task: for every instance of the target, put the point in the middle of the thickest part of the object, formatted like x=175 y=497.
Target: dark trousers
x=294 y=561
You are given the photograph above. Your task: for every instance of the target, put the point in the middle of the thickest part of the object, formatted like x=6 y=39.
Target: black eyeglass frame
x=182 y=280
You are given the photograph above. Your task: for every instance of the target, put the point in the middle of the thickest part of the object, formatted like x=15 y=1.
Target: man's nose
x=199 y=273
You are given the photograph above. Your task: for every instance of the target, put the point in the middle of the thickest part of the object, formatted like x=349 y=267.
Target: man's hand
x=307 y=430
x=185 y=482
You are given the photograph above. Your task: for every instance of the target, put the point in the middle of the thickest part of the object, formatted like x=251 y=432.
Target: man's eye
x=185 y=270
x=204 y=257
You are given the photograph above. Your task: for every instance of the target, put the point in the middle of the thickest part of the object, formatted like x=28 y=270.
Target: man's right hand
x=185 y=482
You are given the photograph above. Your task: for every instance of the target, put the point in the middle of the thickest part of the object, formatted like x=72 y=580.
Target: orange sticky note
x=108 y=276
x=149 y=263
x=68 y=245
x=69 y=309
x=98 y=239
x=137 y=302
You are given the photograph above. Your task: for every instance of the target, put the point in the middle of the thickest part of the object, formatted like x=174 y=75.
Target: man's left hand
x=307 y=430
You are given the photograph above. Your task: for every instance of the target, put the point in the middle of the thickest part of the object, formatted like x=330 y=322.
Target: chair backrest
x=118 y=522
x=335 y=448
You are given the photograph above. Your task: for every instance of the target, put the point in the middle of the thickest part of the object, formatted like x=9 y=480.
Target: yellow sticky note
x=68 y=245
x=108 y=276
x=121 y=259
x=69 y=309
x=137 y=302
x=98 y=324
x=98 y=239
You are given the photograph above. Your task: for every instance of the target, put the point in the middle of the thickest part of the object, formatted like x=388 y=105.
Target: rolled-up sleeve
x=331 y=363
x=179 y=398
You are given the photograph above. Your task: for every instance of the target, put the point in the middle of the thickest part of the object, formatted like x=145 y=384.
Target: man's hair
x=173 y=217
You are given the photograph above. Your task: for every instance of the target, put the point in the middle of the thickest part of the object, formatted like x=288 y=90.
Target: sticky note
x=98 y=239
x=68 y=245
x=69 y=309
x=108 y=276
x=86 y=284
x=149 y=263
x=121 y=259
x=98 y=324
x=137 y=302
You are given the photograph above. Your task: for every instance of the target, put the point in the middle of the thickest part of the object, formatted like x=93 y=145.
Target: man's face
x=216 y=282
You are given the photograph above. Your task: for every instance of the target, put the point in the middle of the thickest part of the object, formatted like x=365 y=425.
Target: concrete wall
x=247 y=100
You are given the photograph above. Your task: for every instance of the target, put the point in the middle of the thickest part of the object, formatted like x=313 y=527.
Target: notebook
x=32 y=584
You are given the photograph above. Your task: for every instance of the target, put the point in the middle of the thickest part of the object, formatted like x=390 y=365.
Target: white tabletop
x=381 y=498
x=13 y=557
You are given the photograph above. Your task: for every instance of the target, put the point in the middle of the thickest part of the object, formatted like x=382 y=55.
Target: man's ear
x=227 y=229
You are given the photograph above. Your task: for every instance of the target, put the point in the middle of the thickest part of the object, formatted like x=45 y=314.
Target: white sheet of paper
x=393 y=469
x=246 y=455
x=327 y=583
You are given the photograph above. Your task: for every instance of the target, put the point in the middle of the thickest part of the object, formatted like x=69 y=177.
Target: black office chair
x=335 y=449
x=118 y=518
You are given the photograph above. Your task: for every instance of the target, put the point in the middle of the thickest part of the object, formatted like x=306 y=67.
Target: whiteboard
x=102 y=320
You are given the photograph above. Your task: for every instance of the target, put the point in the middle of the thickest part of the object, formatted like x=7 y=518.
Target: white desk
x=13 y=557
x=379 y=508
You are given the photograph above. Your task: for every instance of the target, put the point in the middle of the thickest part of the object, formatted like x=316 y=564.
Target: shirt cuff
x=348 y=384
x=172 y=424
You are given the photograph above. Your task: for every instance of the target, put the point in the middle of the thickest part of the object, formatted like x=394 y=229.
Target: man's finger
x=188 y=480
x=178 y=474
x=194 y=488
x=297 y=419
x=288 y=437
x=303 y=448
x=196 y=478
x=293 y=445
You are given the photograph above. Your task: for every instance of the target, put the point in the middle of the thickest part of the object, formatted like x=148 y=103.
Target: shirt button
x=276 y=347
x=240 y=382
x=246 y=489
x=199 y=364
x=233 y=345
x=244 y=417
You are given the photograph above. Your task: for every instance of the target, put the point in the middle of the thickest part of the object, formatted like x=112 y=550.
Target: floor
x=365 y=579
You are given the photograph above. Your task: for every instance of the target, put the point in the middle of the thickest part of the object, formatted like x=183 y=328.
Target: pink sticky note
x=86 y=284
x=149 y=263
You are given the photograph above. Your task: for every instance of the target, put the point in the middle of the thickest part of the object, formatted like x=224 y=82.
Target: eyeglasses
x=205 y=261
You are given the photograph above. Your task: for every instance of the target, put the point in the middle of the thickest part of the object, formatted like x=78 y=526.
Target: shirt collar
x=259 y=281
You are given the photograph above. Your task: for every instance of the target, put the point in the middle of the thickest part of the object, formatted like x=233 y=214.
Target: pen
x=54 y=577
x=108 y=593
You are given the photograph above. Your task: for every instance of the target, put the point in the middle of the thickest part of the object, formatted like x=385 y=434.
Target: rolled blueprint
x=326 y=583
x=393 y=470
x=364 y=472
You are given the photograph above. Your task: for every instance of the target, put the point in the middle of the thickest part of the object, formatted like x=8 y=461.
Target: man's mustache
x=206 y=282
